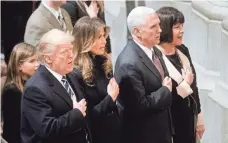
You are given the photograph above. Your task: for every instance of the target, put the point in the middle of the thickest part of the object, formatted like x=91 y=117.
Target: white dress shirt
x=148 y=51
x=53 y=11
x=59 y=78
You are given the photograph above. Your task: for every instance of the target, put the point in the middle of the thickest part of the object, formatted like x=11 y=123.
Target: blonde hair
x=85 y=31
x=20 y=53
x=49 y=40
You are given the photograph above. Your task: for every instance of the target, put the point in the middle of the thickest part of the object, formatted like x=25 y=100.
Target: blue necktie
x=67 y=87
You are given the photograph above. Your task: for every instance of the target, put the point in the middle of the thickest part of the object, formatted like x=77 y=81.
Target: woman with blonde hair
x=22 y=64
x=94 y=71
x=91 y=8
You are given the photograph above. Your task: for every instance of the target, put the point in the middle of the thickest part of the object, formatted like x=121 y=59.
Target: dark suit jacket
x=103 y=113
x=76 y=12
x=41 y=21
x=146 y=102
x=47 y=111
x=11 y=111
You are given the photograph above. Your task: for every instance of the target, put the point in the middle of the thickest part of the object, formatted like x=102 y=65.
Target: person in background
x=22 y=64
x=3 y=70
x=186 y=111
x=91 y=8
x=49 y=15
x=94 y=70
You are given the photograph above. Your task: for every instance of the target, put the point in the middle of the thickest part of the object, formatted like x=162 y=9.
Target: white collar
x=52 y=10
x=148 y=51
x=55 y=74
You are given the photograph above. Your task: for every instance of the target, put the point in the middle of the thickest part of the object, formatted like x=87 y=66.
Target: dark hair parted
x=168 y=16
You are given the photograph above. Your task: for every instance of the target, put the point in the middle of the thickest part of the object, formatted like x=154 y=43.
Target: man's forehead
x=152 y=19
x=62 y=47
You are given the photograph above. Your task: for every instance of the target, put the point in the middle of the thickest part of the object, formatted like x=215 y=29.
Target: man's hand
x=81 y=106
x=168 y=83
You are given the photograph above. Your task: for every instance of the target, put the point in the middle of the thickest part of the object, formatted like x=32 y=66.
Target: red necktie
x=157 y=64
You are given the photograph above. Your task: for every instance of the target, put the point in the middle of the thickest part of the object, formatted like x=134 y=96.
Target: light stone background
x=206 y=36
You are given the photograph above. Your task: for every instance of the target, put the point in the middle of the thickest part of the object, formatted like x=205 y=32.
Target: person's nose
x=104 y=40
x=159 y=29
x=182 y=29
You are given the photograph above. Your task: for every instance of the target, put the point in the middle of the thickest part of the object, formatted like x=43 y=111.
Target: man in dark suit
x=145 y=88
x=53 y=108
x=47 y=16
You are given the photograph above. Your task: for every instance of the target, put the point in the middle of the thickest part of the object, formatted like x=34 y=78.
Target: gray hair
x=50 y=40
x=137 y=17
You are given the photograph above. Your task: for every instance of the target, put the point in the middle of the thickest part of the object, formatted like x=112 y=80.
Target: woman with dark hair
x=185 y=109
x=22 y=64
x=91 y=8
x=94 y=70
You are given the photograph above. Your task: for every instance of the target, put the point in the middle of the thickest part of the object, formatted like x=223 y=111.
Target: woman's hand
x=188 y=75
x=113 y=89
x=200 y=127
x=92 y=9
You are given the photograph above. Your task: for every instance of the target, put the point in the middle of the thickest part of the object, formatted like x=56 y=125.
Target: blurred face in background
x=56 y=3
x=29 y=66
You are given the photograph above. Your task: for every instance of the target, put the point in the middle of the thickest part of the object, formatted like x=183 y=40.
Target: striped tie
x=67 y=87
x=158 y=64
x=72 y=95
x=62 y=22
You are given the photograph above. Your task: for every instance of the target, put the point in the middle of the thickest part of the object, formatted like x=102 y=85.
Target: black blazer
x=47 y=111
x=194 y=87
x=11 y=111
x=184 y=111
x=103 y=113
x=77 y=12
x=146 y=102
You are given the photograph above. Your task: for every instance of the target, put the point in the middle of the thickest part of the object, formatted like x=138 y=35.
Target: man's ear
x=48 y=59
x=136 y=32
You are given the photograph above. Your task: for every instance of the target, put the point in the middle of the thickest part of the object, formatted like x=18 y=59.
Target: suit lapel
x=50 y=17
x=68 y=23
x=56 y=86
x=61 y=92
x=146 y=60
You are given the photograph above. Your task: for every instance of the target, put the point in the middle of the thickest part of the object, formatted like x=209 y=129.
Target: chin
x=69 y=70
x=100 y=54
x=179 y=44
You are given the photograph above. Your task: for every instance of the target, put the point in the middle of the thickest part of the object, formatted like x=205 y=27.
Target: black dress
x=102 y=111
x=11 y=111
x=76 y=13
x=184 y=110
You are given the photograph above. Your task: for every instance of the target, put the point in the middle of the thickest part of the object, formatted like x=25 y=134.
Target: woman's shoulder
x=183 y=49
x=10 y=89
x=11 y=86
x=76 y=73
